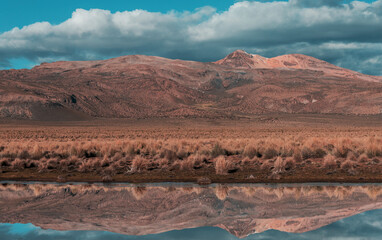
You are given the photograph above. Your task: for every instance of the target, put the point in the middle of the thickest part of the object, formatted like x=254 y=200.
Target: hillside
x=135 y=86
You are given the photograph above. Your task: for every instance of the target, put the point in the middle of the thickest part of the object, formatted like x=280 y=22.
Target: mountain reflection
x=151 y=209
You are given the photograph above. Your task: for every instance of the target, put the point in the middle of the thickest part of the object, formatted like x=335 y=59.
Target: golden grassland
x=239 y=151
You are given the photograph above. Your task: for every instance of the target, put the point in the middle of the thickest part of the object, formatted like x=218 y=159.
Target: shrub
x=138 y=164
x=250 y=151
x=341 y=152
x=290 y=163
x=24 y=154
x=363 y=158
x=351 y=156
x=187 y=164
x=169 y=155
x=217 y=151
x=279 y=165
x=4 y=163
x=221 y=165
x=181 y=154
x=270 y=153
x=18 y=164
x=37 y=153
x=347 y=165
x=297 y=155
x=330 y=162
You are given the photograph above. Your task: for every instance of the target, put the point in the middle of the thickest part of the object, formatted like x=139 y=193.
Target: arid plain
x=264 y=148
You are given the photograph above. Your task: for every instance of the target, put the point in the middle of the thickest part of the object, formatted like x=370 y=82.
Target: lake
x=188 y=211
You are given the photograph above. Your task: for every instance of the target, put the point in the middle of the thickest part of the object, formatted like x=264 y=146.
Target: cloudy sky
x=345 y=33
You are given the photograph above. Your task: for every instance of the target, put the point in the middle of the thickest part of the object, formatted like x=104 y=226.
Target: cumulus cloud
x=346 y=34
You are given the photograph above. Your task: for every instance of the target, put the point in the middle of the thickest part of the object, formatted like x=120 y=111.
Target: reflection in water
x=151 y=209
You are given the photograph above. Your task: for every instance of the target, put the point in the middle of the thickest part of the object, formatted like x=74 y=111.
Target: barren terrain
x=270 y=148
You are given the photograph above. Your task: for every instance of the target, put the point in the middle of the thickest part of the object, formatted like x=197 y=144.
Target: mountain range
x=137 y=86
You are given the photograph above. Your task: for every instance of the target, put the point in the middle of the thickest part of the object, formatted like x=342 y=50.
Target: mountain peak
x=242 y=59
x=238 y=59
x=239 y=52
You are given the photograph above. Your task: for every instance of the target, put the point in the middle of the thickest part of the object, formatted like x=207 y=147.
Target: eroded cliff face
x=142 y=210
x=146 y=86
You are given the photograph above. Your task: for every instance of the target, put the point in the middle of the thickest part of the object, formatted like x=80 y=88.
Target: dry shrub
x=308 y=153
x=181 y=154
x=221 y=165
x=163 y=163
x=24 y=154
x=31 y=164
x=290 y=163
x=5 y=162
x=169 y=155
x=139 y=164
x=297 y=155
x=175 y=166
x=18 y=164
x=341 y=152
x=351 y=156
x=117 y=156
x=250 y=151
x=363 y=158
x=374 y=149
x=330 y=162
x=247 y=161
x=267 y=165
x=270 y=153
x=188 y=164
x=130 y=150
x=347 y=165
x=109 y=171
x=217 y=151
x=37 y=152
x=279 y=165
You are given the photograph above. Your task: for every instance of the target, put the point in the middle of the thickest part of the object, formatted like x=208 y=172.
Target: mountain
x=138 y=86
x=143 y=210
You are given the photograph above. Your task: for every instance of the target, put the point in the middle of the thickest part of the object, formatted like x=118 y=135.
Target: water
x=186 y=211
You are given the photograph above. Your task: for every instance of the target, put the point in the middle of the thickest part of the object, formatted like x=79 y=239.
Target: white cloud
x=349 y=35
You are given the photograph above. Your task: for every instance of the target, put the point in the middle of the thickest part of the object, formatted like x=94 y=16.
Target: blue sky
x=24 y=12
x=344 y=32
x=18 y=13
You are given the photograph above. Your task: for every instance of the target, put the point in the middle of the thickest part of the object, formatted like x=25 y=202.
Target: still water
x=186 y=211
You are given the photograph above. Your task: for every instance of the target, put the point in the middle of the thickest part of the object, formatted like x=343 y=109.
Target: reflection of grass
x=205 y=106
x=101 y=150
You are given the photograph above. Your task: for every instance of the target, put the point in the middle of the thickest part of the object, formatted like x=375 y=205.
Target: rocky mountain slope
x=135 y=86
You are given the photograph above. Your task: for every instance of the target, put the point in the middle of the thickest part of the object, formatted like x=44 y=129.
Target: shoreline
x=180 y=177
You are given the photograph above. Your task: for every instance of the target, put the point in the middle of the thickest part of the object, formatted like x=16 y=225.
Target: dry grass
x=221 y=165
x=110 y=150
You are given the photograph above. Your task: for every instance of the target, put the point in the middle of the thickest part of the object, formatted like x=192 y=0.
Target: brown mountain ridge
x=139 y=86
